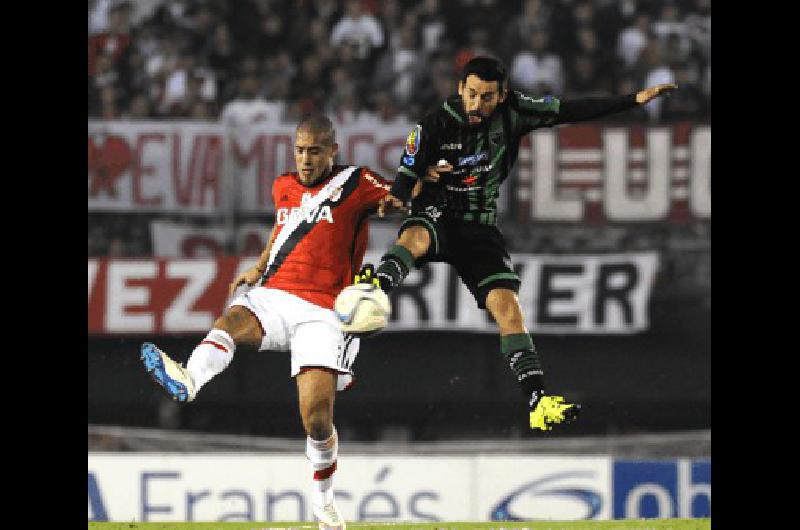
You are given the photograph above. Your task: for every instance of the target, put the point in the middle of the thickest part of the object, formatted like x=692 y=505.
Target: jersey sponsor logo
x=462 y=189
x=450 y=147
x=473 y=159
x=470 y=180
x=412 y=142
x=408 y=160
x=316 y=215
x=546 y=99
x=482 y=169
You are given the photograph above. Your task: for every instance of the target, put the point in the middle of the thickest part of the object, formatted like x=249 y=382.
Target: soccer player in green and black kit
x=463 y=152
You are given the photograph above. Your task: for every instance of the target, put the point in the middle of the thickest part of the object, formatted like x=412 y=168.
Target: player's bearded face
x=313 y=155
x=480 y=97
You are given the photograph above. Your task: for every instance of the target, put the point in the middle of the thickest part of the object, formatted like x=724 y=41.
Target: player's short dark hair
x=487 y=69
x=320 y=126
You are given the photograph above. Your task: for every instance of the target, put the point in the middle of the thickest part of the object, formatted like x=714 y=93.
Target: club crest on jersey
x=412 y=142
x=335 y=194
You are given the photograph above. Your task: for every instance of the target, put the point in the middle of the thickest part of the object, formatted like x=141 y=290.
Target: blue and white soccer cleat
x=170 y=375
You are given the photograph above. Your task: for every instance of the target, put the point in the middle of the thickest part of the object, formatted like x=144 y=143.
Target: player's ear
x=461 y=88
x=503 y=94
x=334 y=149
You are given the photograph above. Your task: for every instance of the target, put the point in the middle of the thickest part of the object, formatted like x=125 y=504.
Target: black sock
x=394 y=267
x=521 y=355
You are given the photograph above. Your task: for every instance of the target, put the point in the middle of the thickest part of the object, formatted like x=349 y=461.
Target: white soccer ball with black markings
x=363 y=309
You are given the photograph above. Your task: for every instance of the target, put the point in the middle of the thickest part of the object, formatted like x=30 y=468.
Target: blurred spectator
x=686 y=103
x=698 y=29
x=588 y=45
x=115 y=40
x=632 y=40
x=654 y=71
x=489 y=15
x=438 y=82
x=583 y=79
x=477 y=44
x=358 y=27
x=139 y=109
x=187 y=77
x=109 y=108
x=398 y=68
x=250 y=107
x=272 y=35
x=432 y=24
x=161 y=53
x=537 y=70
x=536 y=16
x=309 y=87
x=222 y=57
x=384 y=107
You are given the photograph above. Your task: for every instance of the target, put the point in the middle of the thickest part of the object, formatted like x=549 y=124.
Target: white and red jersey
x=321 y=232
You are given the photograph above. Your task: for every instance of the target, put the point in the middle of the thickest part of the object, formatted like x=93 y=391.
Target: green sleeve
x=532 y=112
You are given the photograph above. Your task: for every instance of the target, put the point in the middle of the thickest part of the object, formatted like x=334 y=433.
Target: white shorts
x=312 y=333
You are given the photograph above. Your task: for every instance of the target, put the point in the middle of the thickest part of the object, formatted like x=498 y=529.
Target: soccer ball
x=363 y=309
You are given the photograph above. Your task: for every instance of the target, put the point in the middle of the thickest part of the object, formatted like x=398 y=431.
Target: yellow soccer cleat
x=551 y=410
x=367 y=275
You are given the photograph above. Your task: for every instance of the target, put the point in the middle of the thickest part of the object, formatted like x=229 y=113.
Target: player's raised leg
x=316 y=389
x=237 y=327
x=518 y=349
x=414 y=242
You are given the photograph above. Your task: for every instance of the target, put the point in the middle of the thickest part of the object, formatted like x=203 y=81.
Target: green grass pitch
x=643 y=524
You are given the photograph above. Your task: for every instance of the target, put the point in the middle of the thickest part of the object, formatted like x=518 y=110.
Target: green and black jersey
x=482 y=155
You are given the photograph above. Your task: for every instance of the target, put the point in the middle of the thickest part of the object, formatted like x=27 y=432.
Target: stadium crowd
x=220 y=60
x=162 y=59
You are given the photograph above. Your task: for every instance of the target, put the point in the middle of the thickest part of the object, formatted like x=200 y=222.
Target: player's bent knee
x=416 y=239
x=241 y=325
x=318 y=421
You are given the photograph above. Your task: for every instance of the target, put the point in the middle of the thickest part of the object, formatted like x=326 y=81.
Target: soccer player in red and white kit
x=314 y=250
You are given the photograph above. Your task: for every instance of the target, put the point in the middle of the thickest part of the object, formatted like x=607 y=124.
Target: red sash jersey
x=321 y=255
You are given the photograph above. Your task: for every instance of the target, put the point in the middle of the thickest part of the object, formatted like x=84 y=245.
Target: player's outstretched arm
x=253 y=274
x=584 y=109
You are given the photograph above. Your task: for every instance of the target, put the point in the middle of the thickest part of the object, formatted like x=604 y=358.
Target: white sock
x=322 y=456
x=210 y=357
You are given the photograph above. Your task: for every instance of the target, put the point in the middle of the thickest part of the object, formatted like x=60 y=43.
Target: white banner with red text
x=580 y=173
x=576 y=294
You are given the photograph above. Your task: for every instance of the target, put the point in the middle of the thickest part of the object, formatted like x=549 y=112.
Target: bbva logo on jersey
x=284 y=215
x=301 y=213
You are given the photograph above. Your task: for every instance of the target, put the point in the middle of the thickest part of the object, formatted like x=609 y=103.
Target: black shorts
x=478 y=252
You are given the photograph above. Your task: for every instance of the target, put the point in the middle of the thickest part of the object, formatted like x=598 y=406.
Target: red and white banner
x=592 y=174
x=600 y=294
x=578 y=173
x=182 y=240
